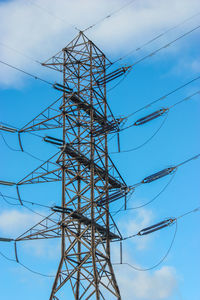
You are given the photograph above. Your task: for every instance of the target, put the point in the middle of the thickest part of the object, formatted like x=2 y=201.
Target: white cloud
x=157 y=284
x=35 y=32
x=195 y=65
x=154 y=285
x=42 y=248
x=14 y=222
x=185 y=65
x=135 y=221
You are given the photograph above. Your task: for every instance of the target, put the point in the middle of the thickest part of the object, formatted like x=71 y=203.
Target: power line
x=8 y=202
x=19 y=150
x=19 y=52
x=6 y=257
x=120 y=81
x=24 y=266
x=161 y=112
x=24 y=201
x=158 y=263
x=26 y=73
x=13 y=149
x=185 y=99
x=188 y=160
x=28 y=208
x=189 y=212
x=150 y=201
x=33 y=156
x=110 y=15
x=173 y=221
x=130 y=67
x=158 y=115
x=150 y=229
x=33 y=211
x=155 y=38
x=156 y=176
x=79 y=159
x=165 y=46
x=163 y=173
x=18 y=129
x=164 y=96
x=35 y=272
x=160 y=225
x=143 y=144
x=64 y=21
x=9 y=147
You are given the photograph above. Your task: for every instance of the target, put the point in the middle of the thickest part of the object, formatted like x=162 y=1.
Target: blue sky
x=33 y=31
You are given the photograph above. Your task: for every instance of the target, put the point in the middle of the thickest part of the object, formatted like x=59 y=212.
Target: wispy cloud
x=15 y=222
x=158 y=284
x=134 y=222
x=42 y=29
x=43 y=249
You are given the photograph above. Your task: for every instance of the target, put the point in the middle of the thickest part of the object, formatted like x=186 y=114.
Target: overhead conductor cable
x=121 y=71
x=151 y=229
x=156 y=37
x=110 y=15
x=163 y=173
x=162 y=111
x=56 y=86
x=159 y=113
x=164 y=96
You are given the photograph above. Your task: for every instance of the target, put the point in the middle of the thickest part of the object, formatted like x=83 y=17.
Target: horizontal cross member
x=86 y=107
x=86 y=221
x=71 y=151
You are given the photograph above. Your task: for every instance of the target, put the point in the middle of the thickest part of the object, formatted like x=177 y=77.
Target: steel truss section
x=90 y=180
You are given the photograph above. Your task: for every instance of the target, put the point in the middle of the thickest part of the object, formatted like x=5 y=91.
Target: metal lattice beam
x=90 y=180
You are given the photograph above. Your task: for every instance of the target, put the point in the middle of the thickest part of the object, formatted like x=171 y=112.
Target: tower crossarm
x=86 y=221
x=86 y=107
x=90 y=180
x=49 y=171
x=79 y=157
x=103 y=124
x=45 y=229
x=49 y=118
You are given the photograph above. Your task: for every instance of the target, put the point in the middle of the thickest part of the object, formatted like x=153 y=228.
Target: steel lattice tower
x=89 y=178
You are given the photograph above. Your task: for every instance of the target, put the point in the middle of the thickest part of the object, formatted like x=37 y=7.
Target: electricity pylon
x=90 y=180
